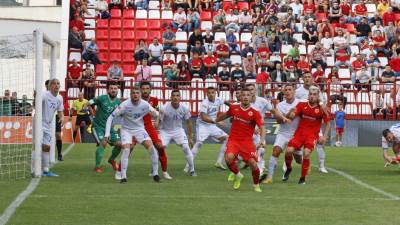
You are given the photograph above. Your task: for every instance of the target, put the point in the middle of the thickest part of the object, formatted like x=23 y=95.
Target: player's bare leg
x=114 y=154
x=255 y=172
x=231 y=162
x=154 y=159
x=220 y=159
x=305 y=165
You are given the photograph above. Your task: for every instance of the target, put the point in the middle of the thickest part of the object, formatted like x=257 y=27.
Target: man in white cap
x=249 y=66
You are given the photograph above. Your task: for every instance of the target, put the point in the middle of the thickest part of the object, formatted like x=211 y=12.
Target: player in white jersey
x=52 y=102
x=172 y=115
x=131 y=113
x=302 y=95
x=207 y=127
x=262 y=105
x=391 y=136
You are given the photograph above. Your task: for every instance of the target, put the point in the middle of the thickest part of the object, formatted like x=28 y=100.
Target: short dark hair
x=244 y=89
x=144 y=83
x=385 y=132
x=211 y=88
x=175 y=91
x=250 y=84
x=47 y=83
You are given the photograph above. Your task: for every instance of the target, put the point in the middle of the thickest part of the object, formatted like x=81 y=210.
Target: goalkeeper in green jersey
x=105 y=105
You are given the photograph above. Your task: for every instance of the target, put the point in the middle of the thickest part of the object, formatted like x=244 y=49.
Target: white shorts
x=139 y=135
x=205 y=131
x=47 y=137
x=178 y=136
x=282 y=141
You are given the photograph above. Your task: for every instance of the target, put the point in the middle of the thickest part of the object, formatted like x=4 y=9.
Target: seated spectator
x=141 y=51
x=270 y=18
x=336 y=91
x=294 y=52
x=303 y=66
x=237 y=77
x=258 y=5
x=116 y=75
x=210 y=65
x=373 y=66
x=274 y=43
x=245 y=21
x=193 y=20
x=79 y=24
x=249 y=66
x=5 y=104
x=259 y=38
x=297 y=8
x=193 y=38
x=388 y=16
x=142 y=4
x=387 y=79
x=363 y=30
x=199 y=49
x=380 y=43
x=279 y=75
x=382 y=7
x=346 y=10
x=143 y=72
x=168 y=40
x=208 y=38
x=219 y=21
x=231 y=21
x=325 y=27
x=172 y=76
x=74 y=39
x=360 y=11
x=88 y=82
x=205 y=4
x=289 y=65
x=26 y=108
x=74 y=74
x=263 y=54
x=183 y=63
x=247 y=49
x=334 y=73
x=179 y=22
x=318 y=56
x=222 y=51
x=180 y=4
x=102 y=9
x=379 y=106
x=318 y=77
x=335 y=13
x=342 y=58
x=390 y=33
x=184 y=76
x=196 y=66
x=90 y=52
x=310 y=35
x=155 y=52
x=285 y=32
x=224 y=77
x=327 y=43
x=395 y=65
x=115 y=3
x=369 y=51
x=232 y=41
x=167 y=62
x=363 y=79
x=262 y=79
x=356 y=66
x=378 y=27
x=341 y=42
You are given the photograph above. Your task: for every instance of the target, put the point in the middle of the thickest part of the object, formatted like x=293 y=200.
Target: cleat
x=231 y=177
x=286 y=175
x=323 y=170
x=193 y=174
x=263 y=177
x=98 y=170
x=167 y=176
x=49 y=174
x=219 y=165
x=238 y=179
x=123 y=181
x=257 y=188
x=60 y=158
x=114 y=165
x=186 y=169
x=156 y=178
x=118 y=176
x=268 y=181
x=302 y=180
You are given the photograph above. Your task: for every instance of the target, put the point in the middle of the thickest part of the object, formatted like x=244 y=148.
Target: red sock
x=233 y=167
x=304 y=167
x=288 y=160
x=163 y=158
x=256 y=176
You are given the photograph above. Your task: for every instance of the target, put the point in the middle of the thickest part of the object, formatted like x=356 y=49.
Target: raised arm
x=222 y=117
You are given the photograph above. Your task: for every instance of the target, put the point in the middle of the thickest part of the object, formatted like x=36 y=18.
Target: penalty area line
x=25 y=194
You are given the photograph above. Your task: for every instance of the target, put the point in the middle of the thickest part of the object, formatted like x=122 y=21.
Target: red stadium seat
x=115 y=13
x=115 y=34
x=101 y=69
x=350 y=28
x=154 y=24
x=115 y=23
x=205 y=15
x=128 y=69
x=128 y=24
x=102 y=24
x=141 y=34
x=115 y=45
x=115 y=56
x=141 y=24
x=128 y=14
x=128 y=35
x=129 y=46
x=127 y=57
x=103 y=56
x=154 y=33
x=243 y=5
x=103 y=45
x=101 y=34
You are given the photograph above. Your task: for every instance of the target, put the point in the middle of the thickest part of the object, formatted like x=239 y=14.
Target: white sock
x=261 y=161
x=124 y=162
x=221 y=154
x=189 y=157
x=272 y=165
x=154 y=160
x=321 y=155
x=45 y=161
x=196 y=149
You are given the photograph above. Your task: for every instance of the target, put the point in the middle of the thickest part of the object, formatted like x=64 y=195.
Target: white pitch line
x=25 y=194
x=363 y=184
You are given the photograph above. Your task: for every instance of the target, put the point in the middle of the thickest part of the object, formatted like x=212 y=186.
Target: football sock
x=154 y=160
x=221 y=154
x=163 y=158
x=99 y=155
x=271 y=167
x=233 y=167
x=256 y=176
x=304 y=167
x=261 y=161
x=288 y=160
x=46 y=161
x=188 y=156
x=196 y=148
x=114 y=153
x=59 y=147
x=321 y=155
x=124 y=162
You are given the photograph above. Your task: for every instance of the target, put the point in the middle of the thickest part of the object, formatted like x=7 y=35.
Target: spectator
x=369 y=51
x=199 y=49
x=184 y=76
x=340 y=124
x=395 y=65
x=115 y=3
x=346 y=10
x=231 y=22
x=270 y=19
x=372 y=20
x=258 y=5
x=74 y=39
x=373 y=66
x=259 y=38
x=249 y=66
x=15 y=110
x=193 y=19
x=341 y=42
x=115 y=75
x=360 y=11
x=206 y=4
x=279 y=75
x=245 y=21
x=294 y=52
x=318 y=77
x=379 y=106
x=303 y=66
x=274 y=43
x=5 y=104
x=193 y=4
x=219 y=21
x=167 y=62
x=335 y=12
x=247 y=49
x=382 y=7
x=356 y=66
x=336 y=91
x=155 y=52
x=196 y=66
x=285 y=32
x=179 y=22
x=388 y=16
x=142 y=4
x=102 y=9
x=210 y=65
x=193 y=38
x=377 y=27
x=74 y=74
x=310 y=35
x=237 y=76
x=208 y=38
x=180 y=4
x=297 y=8
x=318 y=56
x=26 y=108
x=224 y=77
x=263 y=78
x=342 y=58
x=88 y=82
x=79 y=24
x=183 y=63
x=387 y=79
x=90 y=52
x=363 y=30
x=166 y=4
x=390 y=33
x=143 y=72
x=334 y=73
x=141 y=51
x=289 y=65
x=168 y=40
x=380 y=43
x=172 y=76
x=223 y=52
x=325 y=27
x=363 y=79
x=258 y=19
x=232 y=41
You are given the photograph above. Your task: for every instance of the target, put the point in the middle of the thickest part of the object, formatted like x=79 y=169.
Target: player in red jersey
x=311 y=114
x=240 y=141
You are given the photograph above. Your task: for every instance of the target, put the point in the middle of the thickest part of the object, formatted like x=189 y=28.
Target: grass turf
x=79 y=196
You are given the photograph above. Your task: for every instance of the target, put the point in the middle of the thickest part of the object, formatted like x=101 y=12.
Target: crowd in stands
x=10 y=105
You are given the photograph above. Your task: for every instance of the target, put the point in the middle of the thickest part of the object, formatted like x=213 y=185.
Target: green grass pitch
x=79 y=196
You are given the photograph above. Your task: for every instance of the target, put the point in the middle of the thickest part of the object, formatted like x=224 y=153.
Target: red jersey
x=289 y=65
x=222 y=48
x=342 y=58
x=168 y=62
x=395 y=64
x=262 y=78
x=346 y=9
x=360 y=10
x=74 y=72
x=209 y=60
x=153 y=101
x=263 y=52
x=311 y=118
x=243 y=123
x=304 y=66
x=357 y=65
x=388 y=17
x=78 y=24
x=318 y=76
x=378 y=39
x=196 y=63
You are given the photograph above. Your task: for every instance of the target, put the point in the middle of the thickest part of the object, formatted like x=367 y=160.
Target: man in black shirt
x=194 y=37
x=224 y=77
x=362 y=30
x=238 y=76
x=247 y=48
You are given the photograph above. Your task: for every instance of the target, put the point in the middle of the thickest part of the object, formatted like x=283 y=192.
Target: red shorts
x=152 y=132
x=298 y=141
x=339 y=130
x=245 y=149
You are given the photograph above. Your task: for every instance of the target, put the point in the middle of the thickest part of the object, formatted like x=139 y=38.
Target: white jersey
x=210 y=109
x=302 y=94
x=50 y=104
x=283 y=107
x=395 y=129
x=171 y=118
x=130 y=115
x=262 y=105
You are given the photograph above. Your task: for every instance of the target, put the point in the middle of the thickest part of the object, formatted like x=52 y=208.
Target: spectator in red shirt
x=333 y=73
x=196 y=66
x=346 y=9
x=289 y=65
x=309 y=6
x=318 y=76
x=262 y=79
x=263 y=53
x=388 y=16
x=303 y=66
x=380 y=43
x=78 y=23
x=360 y=11
x=74 y=74
x=210 y=65
x=356 y=66
x=395 y=65
x=184 y=76
x=167 y=62
x=342 y=58
x=222 y=51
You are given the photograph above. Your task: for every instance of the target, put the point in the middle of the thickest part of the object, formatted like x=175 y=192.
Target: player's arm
x=223 y=116
x=324 y=138
x=279 y=117
x=260 y=123
x=61 y=117
x=294 y=112
x=117 y=112
x=91 y=103
x=206 y=118
x=190 y=132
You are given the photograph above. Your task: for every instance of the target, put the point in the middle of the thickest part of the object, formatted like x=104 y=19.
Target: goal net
x=20 y=66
